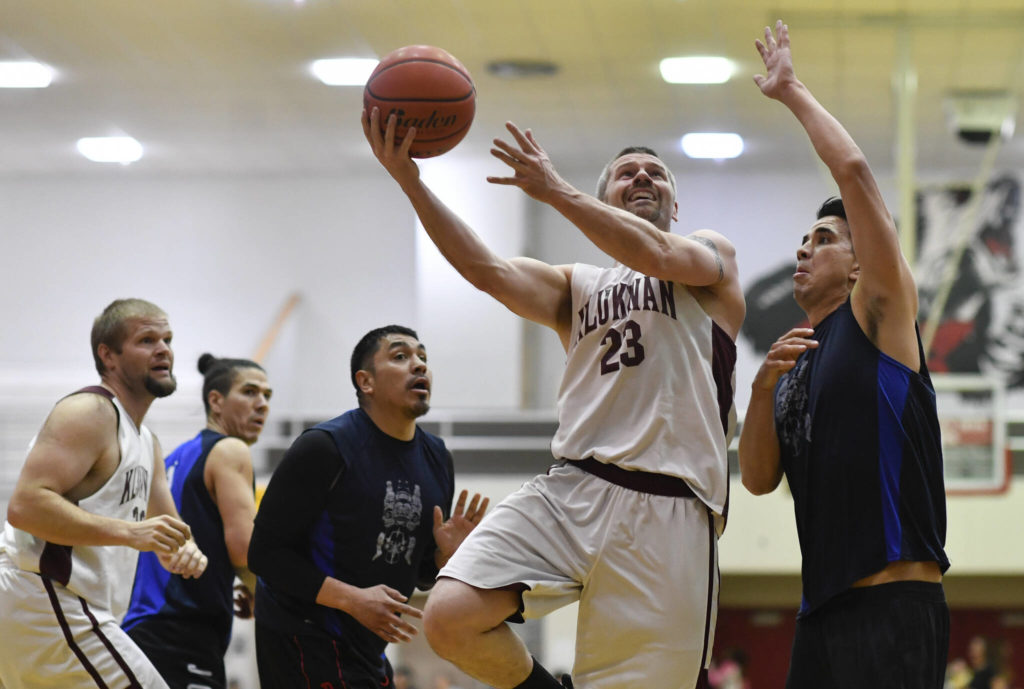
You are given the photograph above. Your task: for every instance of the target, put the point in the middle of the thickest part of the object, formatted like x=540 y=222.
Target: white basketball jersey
x=649 y=381
x=102 y=575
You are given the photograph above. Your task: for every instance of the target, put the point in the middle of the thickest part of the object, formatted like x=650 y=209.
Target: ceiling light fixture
x=110 y=149
x=716 y=145
x=344 y=71
x=697 y=70
x=24 y=74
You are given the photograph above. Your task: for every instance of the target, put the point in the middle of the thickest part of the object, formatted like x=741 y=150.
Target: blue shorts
x=187 y=653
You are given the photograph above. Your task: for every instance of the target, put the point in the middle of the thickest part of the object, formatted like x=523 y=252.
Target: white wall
x=219 y=255
x=468 y=334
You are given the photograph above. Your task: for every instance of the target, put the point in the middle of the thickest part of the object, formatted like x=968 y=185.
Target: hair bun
x=206 y=362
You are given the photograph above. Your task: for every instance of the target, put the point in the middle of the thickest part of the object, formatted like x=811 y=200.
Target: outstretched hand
x=394 y=156
x=778 y=61
x=449 y=534
x=533 y=170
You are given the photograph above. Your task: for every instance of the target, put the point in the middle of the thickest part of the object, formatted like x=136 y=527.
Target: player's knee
x=441 y=619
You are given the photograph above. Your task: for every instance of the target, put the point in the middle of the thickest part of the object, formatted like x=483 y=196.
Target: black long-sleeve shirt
x=350 y=502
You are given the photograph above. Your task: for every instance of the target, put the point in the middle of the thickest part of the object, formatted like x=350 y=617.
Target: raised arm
x=527 y=287
x=633 y=226
x=75 y=453
x=885 y=295
x=229 y=477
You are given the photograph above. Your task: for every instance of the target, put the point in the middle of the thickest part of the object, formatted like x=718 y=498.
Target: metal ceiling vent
x=521 y=69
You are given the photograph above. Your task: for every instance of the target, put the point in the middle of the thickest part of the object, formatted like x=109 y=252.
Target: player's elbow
x=755 y=487
x=479 y=276
x=758 y=481
x=238 y=551
x=21 y=512
x=850 y=168
x=16 y=513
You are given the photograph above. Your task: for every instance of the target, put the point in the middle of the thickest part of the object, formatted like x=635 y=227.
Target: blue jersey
x=209 y=599
x=350 y=502
x=859 y=441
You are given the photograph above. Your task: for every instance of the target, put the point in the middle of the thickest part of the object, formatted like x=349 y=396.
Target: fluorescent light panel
x=712 y=145
x=110 y=149
x=24 y=74
x=697 y=70
x=344 y=71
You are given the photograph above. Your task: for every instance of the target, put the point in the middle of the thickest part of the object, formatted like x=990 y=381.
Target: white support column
x=480 y=362
x=905 y=81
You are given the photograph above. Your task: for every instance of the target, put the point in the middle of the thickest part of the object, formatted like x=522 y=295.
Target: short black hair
x=362 y=355
x=219 y=375
x=832 y=206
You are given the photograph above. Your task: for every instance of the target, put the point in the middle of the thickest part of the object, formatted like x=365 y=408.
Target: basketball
x=426 y=88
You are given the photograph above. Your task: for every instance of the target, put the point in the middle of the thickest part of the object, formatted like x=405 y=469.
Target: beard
x=161 y=388
x=651 y=215
x=419 y=409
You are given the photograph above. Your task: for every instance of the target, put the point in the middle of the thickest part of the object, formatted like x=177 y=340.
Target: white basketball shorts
x=643 y=567
x=53 y=639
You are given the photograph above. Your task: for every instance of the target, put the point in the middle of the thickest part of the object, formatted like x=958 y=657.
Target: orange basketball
x=426 y=88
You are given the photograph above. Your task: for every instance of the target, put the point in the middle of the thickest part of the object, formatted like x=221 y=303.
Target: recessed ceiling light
x=344 y=71
x=25 y=75
x=696 y=70
x=110 y=149
x=717 y=145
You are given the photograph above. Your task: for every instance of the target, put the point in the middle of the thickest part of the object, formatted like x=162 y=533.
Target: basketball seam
x=441 y=138
x=384 y=99
x=464 y=75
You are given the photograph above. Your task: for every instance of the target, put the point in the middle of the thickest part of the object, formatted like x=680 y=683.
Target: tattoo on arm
x=714 y=250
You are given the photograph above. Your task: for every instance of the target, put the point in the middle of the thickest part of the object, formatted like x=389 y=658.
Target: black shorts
x=891 y=636
x=187 y=654
x=287 y=661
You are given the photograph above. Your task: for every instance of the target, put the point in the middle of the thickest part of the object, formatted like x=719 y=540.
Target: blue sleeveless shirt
x=208 y=599
x=859 y=442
